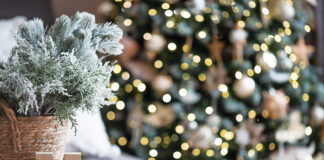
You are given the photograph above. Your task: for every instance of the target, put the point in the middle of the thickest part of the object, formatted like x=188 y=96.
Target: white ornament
x=213 y=121
x=281 y=10
x=238 y=36
x=244 y=87
x=317 y=114
x=162 y=83
x=202 y=137
x=242 y=136
x=267 y=60
x=156 y=43
x=294 y=153
x=200 y=5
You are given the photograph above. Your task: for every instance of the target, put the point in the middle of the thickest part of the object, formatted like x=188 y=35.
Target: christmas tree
x=215 y=79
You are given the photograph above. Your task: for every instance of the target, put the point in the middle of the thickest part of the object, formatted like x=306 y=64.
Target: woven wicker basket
x=21 y=137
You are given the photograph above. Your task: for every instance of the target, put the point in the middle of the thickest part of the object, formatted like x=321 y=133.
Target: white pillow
x=91 y=138
x=8 y=28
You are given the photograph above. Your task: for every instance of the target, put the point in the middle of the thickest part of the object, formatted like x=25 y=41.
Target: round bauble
x=238 y=35
x=162 y=83
x=213 y=121
x=275 y=103
x=317 y=114
x=107 y=10
x=131 y=49
x=281 y=10
x=267 y=60
x=202 y=137
x=242 y=136
x=156 y=43
x=244 y=87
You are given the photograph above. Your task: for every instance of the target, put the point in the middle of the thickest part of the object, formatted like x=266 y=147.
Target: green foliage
x=58 y=72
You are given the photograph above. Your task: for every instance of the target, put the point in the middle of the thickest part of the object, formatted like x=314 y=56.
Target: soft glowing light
x=259 y=147
x=128 y=22
x=137 y=82
x=153 y=152
x=210 y=153
x=144 y=141
x=265 y=11
x=251 y=153
x=202 y=77
x=224 y=151
x=165 y=6
x=122 y=141
x=168 y=13
x=209 y=110
x=238 y=75
x=183 y=92
x=166 y=98
x=239 y=118
x=172 y=46
x=128 y=88
x=141 y=87
x=127 y=4
x=277 y=38
x=229 y=135
x=176 y=155
x=199 y=18
x=222 y=87
x=110 y=115
x=117 y=69
x=114 y=86
x=158 y=64
x=120 y=105
x=308 y=131
x=152 y=12
x=179 y=129
x=272 y=146
x=185 y=14
x=306 y=97
x=125 y=76
x=307 y=28
x=252 y=114
x=184 y=66
x=196 y=59
x=252 y=4
x=151 y=108
x=218 y=141
x=195 y=152
x=170 y=24
x=257 y=69
x=256 y=47
x=288 y=49
x=208 y=62
x=191 y=117
x=250 y=72
x=147 y=36
x=202 y=34
x=184 y=146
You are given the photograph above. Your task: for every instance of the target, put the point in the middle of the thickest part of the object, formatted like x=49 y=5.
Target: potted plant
x=50 y=75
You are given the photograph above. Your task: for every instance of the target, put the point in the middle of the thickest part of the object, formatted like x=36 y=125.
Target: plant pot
x=22 y=137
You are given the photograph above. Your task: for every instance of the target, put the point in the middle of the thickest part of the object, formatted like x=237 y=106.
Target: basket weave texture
x=21 y=137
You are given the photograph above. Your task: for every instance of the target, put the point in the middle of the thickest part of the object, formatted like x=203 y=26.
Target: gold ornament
x=302 y=51
x=164 y=115
x=275 y=103
x=215 y=48
x=244 y=87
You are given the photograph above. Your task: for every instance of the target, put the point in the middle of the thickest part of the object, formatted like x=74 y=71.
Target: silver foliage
x=57 y=72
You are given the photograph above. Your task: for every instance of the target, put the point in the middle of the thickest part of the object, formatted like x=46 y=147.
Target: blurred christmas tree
x=213 y=79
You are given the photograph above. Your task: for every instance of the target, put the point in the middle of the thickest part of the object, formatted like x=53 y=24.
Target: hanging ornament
x=294 y=131
x=164 y=115
x=279 y=77
x=275 y=103
x=202 y=137
x=214 y=77
x=255 y=130
x=213 y=121
x=191 y=97
x=242 y=136
x=162 y=83
x=294 y=153
x=284 y=63
x=244 y=87
x=215 y=48
x=281 y=10
x=200 y=5
x=238 y=39
x=106 y=11
x=266 y=60
x=135 y=122
x=141 y=70
x=131 y=49
x=302 y=51
x=154 y=45
x=317 y=114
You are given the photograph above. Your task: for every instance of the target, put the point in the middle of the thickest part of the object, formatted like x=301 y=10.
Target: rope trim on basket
x=14 y=133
